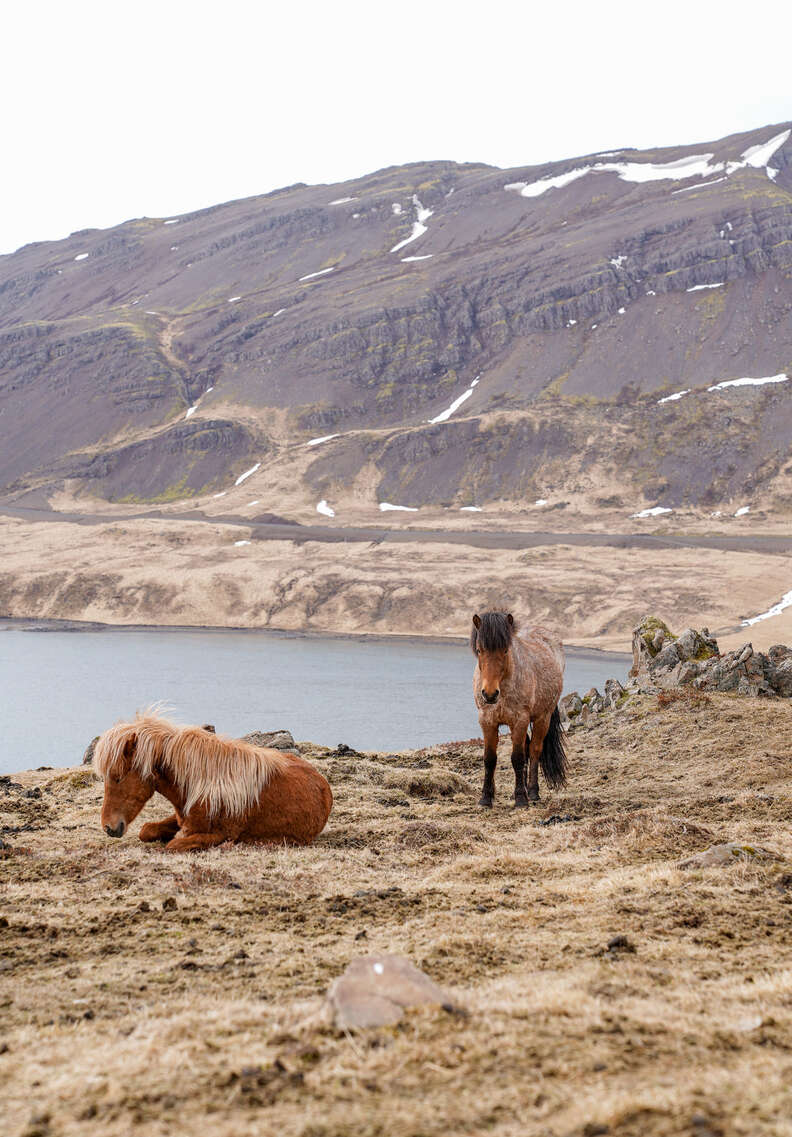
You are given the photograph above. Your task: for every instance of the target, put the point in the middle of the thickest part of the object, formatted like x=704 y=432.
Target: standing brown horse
x=518 y=681
x=222 y=789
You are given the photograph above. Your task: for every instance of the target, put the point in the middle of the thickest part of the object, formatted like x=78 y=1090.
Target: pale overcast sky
x=118 y=111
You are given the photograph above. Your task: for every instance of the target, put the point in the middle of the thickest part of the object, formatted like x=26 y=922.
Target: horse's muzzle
x=119 y=830
x=491 y=699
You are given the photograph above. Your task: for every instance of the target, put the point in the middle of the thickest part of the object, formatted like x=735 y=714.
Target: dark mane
x=493 y=634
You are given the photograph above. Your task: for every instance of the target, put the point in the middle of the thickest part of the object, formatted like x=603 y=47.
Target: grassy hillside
x=150 y=994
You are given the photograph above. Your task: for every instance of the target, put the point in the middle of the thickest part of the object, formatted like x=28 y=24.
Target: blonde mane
x=225 y=775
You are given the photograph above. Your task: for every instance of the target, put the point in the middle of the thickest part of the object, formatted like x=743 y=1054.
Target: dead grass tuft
x=689 y=697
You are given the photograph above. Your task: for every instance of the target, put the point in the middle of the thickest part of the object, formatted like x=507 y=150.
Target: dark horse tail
x=553 y=759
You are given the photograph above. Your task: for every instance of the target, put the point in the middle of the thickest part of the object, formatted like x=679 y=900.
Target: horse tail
x=553 y=759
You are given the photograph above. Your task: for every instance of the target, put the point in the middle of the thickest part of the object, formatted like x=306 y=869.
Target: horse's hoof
x=521 y=803
x=485 y=802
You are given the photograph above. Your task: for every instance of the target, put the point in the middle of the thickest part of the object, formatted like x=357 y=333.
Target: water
x=59 y=688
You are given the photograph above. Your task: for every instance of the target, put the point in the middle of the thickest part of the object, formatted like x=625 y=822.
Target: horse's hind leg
x=518 y=762
x=539 y=729
x=490 y=762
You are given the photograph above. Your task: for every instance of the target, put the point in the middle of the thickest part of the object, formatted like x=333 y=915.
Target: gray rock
x=686 y=673
x=571 y=705
x=665 y=659
x=375 y=990
x=613 y=692
x=781 y=678
x=696 y=645
x=89 y=751
x=274 y=739
x=727 y=853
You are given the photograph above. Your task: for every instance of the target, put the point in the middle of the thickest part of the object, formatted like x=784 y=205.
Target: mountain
x=552 y=307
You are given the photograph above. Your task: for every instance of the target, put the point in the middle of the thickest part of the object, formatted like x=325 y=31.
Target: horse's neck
x=165 y=784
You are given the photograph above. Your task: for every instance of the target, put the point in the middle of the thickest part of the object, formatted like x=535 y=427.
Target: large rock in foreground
x=375 y=990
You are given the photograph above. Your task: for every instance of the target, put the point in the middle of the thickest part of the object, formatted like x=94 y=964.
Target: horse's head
x=126 y=792
x=490 y=640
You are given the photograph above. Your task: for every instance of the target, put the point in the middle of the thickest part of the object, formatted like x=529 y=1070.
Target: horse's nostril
x=117 y=832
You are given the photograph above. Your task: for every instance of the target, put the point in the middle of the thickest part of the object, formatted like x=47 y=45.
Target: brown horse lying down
x=518 y=681
x=222 y=789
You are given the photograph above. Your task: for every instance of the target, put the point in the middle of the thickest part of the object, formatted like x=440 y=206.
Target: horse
x=222 y=789
x=518 y=681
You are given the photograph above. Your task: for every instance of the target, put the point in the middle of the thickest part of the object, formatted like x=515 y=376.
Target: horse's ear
x=510 y=620
x=130 y=745
x=477 y=621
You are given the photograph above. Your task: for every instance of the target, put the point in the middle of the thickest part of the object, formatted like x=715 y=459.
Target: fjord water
x=60 y=688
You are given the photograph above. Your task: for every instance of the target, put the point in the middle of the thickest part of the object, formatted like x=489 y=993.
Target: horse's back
x=541 y=640
x=546 y=654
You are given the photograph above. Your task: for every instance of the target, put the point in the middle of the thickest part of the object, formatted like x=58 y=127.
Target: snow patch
x=617 y=262
x=741 y=512
x=748 y=382
x=396 y=208
x=541 y=501
x=239 y=544
x=422 y=214
x=278 y=313
x=191 y=410
x=674 y=397
x=253 y=502
x=457 y=403
x=694 y=166
x=701 y=185
x=698 y=287
x=173 y=221
x=81 y=256
x=323 y=508
x=221 y=494
x=776 y=610
x=321 y=272
x=655 y=511
x=425 y=257
x=342 y=200
x=758 y=156
x=622 y=311
x=324 y=438
x=470 y=509
x=247 y=473
x=233 y=299
x=386 y=507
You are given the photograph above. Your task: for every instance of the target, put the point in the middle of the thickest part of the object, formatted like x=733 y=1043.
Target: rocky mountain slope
x=551 y=306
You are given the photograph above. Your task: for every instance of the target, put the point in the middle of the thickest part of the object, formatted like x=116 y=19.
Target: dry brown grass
x=121 y=1016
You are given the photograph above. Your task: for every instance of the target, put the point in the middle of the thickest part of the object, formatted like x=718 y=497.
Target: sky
x=152 y=109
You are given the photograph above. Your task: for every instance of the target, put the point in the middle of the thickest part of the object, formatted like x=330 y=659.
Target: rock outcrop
x=662 y=660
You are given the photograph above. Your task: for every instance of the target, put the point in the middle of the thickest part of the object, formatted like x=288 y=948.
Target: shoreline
x=33 y=624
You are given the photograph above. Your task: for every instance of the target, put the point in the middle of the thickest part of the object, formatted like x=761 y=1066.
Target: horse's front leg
x=518 y=736
x=490 y=762
x=163 y=830
x=193 y=842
